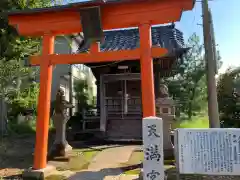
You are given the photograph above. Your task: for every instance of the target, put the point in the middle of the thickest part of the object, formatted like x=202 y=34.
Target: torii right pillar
x=147 y=78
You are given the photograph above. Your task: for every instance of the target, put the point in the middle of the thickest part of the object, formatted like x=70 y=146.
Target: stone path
x=105 y=166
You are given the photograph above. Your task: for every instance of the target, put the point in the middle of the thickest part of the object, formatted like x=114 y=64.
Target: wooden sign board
x=91 y=24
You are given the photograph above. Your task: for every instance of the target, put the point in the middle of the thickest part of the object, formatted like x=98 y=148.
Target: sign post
x=153 y=164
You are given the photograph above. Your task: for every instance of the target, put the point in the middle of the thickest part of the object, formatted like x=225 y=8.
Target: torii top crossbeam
x=61 y=20
x=117 y=14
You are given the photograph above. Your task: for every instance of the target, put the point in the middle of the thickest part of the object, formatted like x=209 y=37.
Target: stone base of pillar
x=59 y=151
x=40 y=174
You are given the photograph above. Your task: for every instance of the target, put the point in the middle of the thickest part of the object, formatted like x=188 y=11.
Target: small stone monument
x=166 y=110
x=60 y=118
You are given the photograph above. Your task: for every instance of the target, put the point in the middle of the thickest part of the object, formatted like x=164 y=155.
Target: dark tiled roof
x=162 y=36
x=126 y=39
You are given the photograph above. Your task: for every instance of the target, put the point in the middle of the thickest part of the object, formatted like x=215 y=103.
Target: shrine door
x=123 y=108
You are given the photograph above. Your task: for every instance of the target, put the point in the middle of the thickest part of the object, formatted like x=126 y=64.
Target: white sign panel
x=208 y=151
x=153 y=168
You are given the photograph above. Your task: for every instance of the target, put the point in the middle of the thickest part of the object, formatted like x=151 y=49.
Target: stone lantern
x=165 y=108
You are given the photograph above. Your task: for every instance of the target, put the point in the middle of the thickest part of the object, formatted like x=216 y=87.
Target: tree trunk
x=190 y=104
x=3 y=117
x=190 y=110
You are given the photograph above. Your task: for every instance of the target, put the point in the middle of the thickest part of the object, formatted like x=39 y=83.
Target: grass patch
x=79 y=159
x=82 y=160
x=195 y=122
x=136 y=158
x=133 y=172
x=28 y=127
x=169 y=162
x=89 y=154
x=23 y=128
x=167 y=167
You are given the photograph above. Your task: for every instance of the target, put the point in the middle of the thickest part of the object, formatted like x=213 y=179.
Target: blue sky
x=226 y=14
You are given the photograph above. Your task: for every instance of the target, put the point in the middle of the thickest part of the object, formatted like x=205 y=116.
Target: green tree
x=26 y=99
x=189 y=86
x=13 y=50
x=81 y=89
x=229 y=97
x=185 y=87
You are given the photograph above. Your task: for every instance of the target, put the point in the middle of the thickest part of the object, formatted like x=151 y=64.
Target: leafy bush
x=82 y=95
x=228 y=98
x=18 y=106
x=23 y=128
x=28 y=127
x=196 y=122
x=23 y=101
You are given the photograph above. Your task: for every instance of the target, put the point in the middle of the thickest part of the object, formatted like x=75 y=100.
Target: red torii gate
x=66 y=20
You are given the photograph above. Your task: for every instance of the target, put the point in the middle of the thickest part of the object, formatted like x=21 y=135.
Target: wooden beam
x=113 y=16
x=96 y=57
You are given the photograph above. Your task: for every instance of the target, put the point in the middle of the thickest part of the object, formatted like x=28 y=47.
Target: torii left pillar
x=40 y=154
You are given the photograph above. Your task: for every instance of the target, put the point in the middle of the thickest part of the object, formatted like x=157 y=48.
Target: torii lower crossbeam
x=97 y=57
